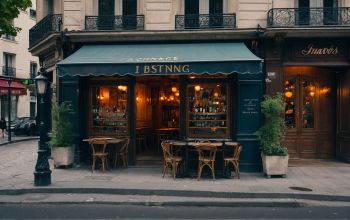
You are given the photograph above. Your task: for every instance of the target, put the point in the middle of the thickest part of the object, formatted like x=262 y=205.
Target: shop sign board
x=317 y=50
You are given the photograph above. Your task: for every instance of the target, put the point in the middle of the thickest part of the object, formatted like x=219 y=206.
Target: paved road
x=95 y=211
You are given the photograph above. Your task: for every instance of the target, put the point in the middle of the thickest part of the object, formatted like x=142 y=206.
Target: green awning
x=161 y=59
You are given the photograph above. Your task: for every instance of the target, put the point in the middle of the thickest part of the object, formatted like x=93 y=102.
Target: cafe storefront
x=315 y=81
x=151 y=92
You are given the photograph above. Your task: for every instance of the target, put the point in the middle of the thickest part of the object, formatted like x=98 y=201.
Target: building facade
x=154 y=70
x=18 y=65
x=307 y=58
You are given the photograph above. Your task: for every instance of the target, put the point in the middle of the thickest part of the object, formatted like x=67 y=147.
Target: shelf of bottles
x=109 y=110
x=207 y=111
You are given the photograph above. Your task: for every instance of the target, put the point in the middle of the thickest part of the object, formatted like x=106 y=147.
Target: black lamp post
x=9 y=81
x=42 y=173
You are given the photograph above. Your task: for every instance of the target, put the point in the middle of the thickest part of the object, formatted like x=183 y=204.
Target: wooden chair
x=206 y=157
x=98 y=148
x=169 y=159
x=122 y=153
x=234 y=159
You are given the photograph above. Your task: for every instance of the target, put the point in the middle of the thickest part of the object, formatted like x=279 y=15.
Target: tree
x=9 y=10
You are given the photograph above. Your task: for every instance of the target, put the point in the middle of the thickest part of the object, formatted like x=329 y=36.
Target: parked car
x=27 y=127
x=17 y=121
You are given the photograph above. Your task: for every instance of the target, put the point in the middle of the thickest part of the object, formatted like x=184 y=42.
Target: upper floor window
x=32 y=13
x=9 y=63
x=9 y=36
x=49 y=7
x=33 y=69
x=108 y=20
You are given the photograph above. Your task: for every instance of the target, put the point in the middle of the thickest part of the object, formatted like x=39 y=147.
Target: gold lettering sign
x=312 y=50
x=162 y=69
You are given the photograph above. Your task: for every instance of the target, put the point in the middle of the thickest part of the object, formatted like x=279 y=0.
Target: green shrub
x=272 y=132
x=62 y=130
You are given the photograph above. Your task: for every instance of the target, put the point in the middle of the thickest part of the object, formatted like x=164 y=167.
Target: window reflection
x=109 y=109
x=290 y=97
x=309 y=90
x=207 y=110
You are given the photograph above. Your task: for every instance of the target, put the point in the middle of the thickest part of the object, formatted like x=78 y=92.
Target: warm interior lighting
x=137 y=98
x=192 y=77
x=216 y=94
x=312 y=93
x=177 y=94
x=288 y=94
x=171 y=98
x=173 y=89
x=325 y=90
x=197 y=88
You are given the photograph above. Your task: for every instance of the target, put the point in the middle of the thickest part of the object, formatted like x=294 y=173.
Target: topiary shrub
x=62 y=130
x=271 y=133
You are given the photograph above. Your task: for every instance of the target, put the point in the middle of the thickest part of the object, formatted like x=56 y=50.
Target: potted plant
x=62 y=136
x=274 y=155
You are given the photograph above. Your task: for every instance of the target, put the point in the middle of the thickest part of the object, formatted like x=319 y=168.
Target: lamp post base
x=42 y=178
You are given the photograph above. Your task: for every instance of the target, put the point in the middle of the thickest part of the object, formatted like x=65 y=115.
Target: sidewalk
x=328 y=182
x=15 y=138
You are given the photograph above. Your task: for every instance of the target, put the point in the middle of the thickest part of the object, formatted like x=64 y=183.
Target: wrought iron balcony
x=205 y=21
x=51 y=23
x=115 y=22
x=316 y=17
x=8 y=71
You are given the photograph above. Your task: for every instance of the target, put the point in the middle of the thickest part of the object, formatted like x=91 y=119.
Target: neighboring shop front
x=315 y=81
x=152 y=92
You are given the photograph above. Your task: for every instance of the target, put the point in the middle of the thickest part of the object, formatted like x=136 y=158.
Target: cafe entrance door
x=310 y=112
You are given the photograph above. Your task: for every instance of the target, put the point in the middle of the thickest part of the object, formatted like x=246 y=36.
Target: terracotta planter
x=275 y=165
x=63 y=156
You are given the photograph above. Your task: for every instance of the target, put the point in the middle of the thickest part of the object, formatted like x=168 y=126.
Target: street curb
x=172 y=203
x=19 y=140
x=180 y=193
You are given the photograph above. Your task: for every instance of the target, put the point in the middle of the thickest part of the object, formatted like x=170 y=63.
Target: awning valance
x=161 y=59
x=17 y=88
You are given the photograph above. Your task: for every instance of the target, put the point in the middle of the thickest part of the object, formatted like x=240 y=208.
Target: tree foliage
x=62 y=130
x=272 y=132
x=9 y=10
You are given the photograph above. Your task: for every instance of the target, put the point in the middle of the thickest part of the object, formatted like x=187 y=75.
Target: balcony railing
x=317 y=17
x=115 y=22
x=8 y=71
x=205 y=21
x=51 y=23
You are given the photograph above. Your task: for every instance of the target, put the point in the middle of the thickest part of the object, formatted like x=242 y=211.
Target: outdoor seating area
x=191 y=158
x=108 y=150
x=196 y=158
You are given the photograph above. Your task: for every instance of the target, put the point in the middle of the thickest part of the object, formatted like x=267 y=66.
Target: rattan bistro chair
x=98 y=148
x=170 y=160
x=206 y=157
x=234 y=159
x=122 y=153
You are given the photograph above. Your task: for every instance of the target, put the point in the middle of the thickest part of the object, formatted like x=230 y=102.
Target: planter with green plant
x=62 y=136
x=274 y=155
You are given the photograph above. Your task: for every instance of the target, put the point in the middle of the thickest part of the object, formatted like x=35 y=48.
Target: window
x=216 y=13
x=32 y=13
x=9 y=36
x=109 y=110
x=191 y=13
x=208 y=110
x=9 y=60
x=33 y=70
x=129 y=14
x=49 y=7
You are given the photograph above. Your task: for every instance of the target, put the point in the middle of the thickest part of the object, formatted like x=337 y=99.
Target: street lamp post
x=42 y=173
x=9 y=81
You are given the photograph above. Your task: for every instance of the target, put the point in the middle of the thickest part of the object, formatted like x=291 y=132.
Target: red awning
x=17 y=88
